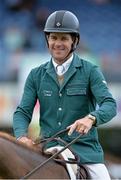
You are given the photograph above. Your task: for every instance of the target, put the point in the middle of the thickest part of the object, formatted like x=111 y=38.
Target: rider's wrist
x=93 y=118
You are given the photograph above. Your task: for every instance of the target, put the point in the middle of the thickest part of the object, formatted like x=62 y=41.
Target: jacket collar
x=76 y=63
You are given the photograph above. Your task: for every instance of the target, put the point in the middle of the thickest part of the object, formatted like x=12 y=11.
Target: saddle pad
x=71 y=168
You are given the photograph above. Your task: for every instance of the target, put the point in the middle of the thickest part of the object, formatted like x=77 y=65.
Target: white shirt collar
x=65 y=65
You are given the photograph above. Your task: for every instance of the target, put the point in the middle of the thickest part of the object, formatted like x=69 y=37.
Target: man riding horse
x=68 y=89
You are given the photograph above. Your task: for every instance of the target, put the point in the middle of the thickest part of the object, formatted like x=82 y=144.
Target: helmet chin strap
x=68 y=55
x=73 y=47
x=71 y=51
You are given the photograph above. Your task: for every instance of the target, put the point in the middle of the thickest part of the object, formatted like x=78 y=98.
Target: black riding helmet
x=65 y=22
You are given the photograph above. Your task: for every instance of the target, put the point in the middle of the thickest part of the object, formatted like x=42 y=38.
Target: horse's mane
x=12 y=139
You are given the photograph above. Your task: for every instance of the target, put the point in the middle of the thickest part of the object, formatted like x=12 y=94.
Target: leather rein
x=54 y=156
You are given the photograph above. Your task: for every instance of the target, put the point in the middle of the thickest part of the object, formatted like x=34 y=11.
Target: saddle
x=81 y=170
x=67 y=159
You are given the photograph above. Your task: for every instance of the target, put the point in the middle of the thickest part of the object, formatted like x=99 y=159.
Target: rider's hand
x=26 y=140
x=82 y=126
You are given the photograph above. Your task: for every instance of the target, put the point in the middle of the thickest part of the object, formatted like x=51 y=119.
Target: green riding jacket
x=83 y=88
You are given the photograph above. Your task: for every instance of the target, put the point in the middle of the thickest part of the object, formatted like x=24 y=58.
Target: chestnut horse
x=19 y=161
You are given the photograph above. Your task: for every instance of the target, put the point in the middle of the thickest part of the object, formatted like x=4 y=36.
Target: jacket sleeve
x=106 y=104
x=23 y=114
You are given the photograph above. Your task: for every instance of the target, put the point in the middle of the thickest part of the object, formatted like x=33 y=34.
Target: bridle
x=66 y=145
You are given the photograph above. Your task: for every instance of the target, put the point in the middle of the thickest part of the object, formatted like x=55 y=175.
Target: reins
x=54 y=137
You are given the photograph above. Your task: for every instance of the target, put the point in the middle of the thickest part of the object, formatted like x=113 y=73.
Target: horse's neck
x=16 y=160
x=14 y=155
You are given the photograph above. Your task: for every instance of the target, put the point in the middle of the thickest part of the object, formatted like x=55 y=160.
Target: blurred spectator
x=28 y=4
x=14 y=39
x=17 y=5
x=37 y=39
x=13 y=5
x=40 y=17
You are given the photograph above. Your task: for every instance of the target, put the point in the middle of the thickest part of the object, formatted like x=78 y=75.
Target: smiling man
x=68 y=89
